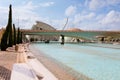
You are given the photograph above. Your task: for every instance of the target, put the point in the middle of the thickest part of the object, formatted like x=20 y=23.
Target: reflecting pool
x=97 y=61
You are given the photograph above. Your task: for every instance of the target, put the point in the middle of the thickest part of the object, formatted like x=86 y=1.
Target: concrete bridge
x=87 y=35
x=80 y=34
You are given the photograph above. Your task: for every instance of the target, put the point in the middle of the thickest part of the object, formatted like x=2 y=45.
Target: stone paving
x=7 y=59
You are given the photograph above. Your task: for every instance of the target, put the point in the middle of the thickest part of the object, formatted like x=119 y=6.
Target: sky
x=82 y=14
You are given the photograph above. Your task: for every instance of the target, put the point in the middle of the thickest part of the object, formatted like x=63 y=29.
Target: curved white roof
x=42 y=26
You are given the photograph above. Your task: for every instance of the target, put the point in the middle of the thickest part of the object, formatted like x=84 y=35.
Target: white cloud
x=91 y=21
x=25 y=14
x=29 y=6
x=96 y=4
x=112 y=2
x=86 y=2
x=70 y=10
x=46 y=4
x=22 y=15
x=83 y=17
x=3 y=19
x=84 y=20
x=112 y=20
x=3 y=9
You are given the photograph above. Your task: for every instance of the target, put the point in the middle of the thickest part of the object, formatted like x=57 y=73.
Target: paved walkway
x=22 y=71
x=41 y=71
x=7 y=59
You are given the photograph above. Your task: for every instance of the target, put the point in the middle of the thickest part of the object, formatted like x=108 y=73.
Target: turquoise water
x=93 y=60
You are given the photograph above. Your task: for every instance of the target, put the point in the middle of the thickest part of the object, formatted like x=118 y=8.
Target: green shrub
x=6 y=40
x=14 y=35
x=18 y=35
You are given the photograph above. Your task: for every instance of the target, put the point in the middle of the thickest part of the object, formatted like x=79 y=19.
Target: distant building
x=43 y=26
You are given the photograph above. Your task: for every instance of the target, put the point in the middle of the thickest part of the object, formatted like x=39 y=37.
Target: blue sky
x=82 y=14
